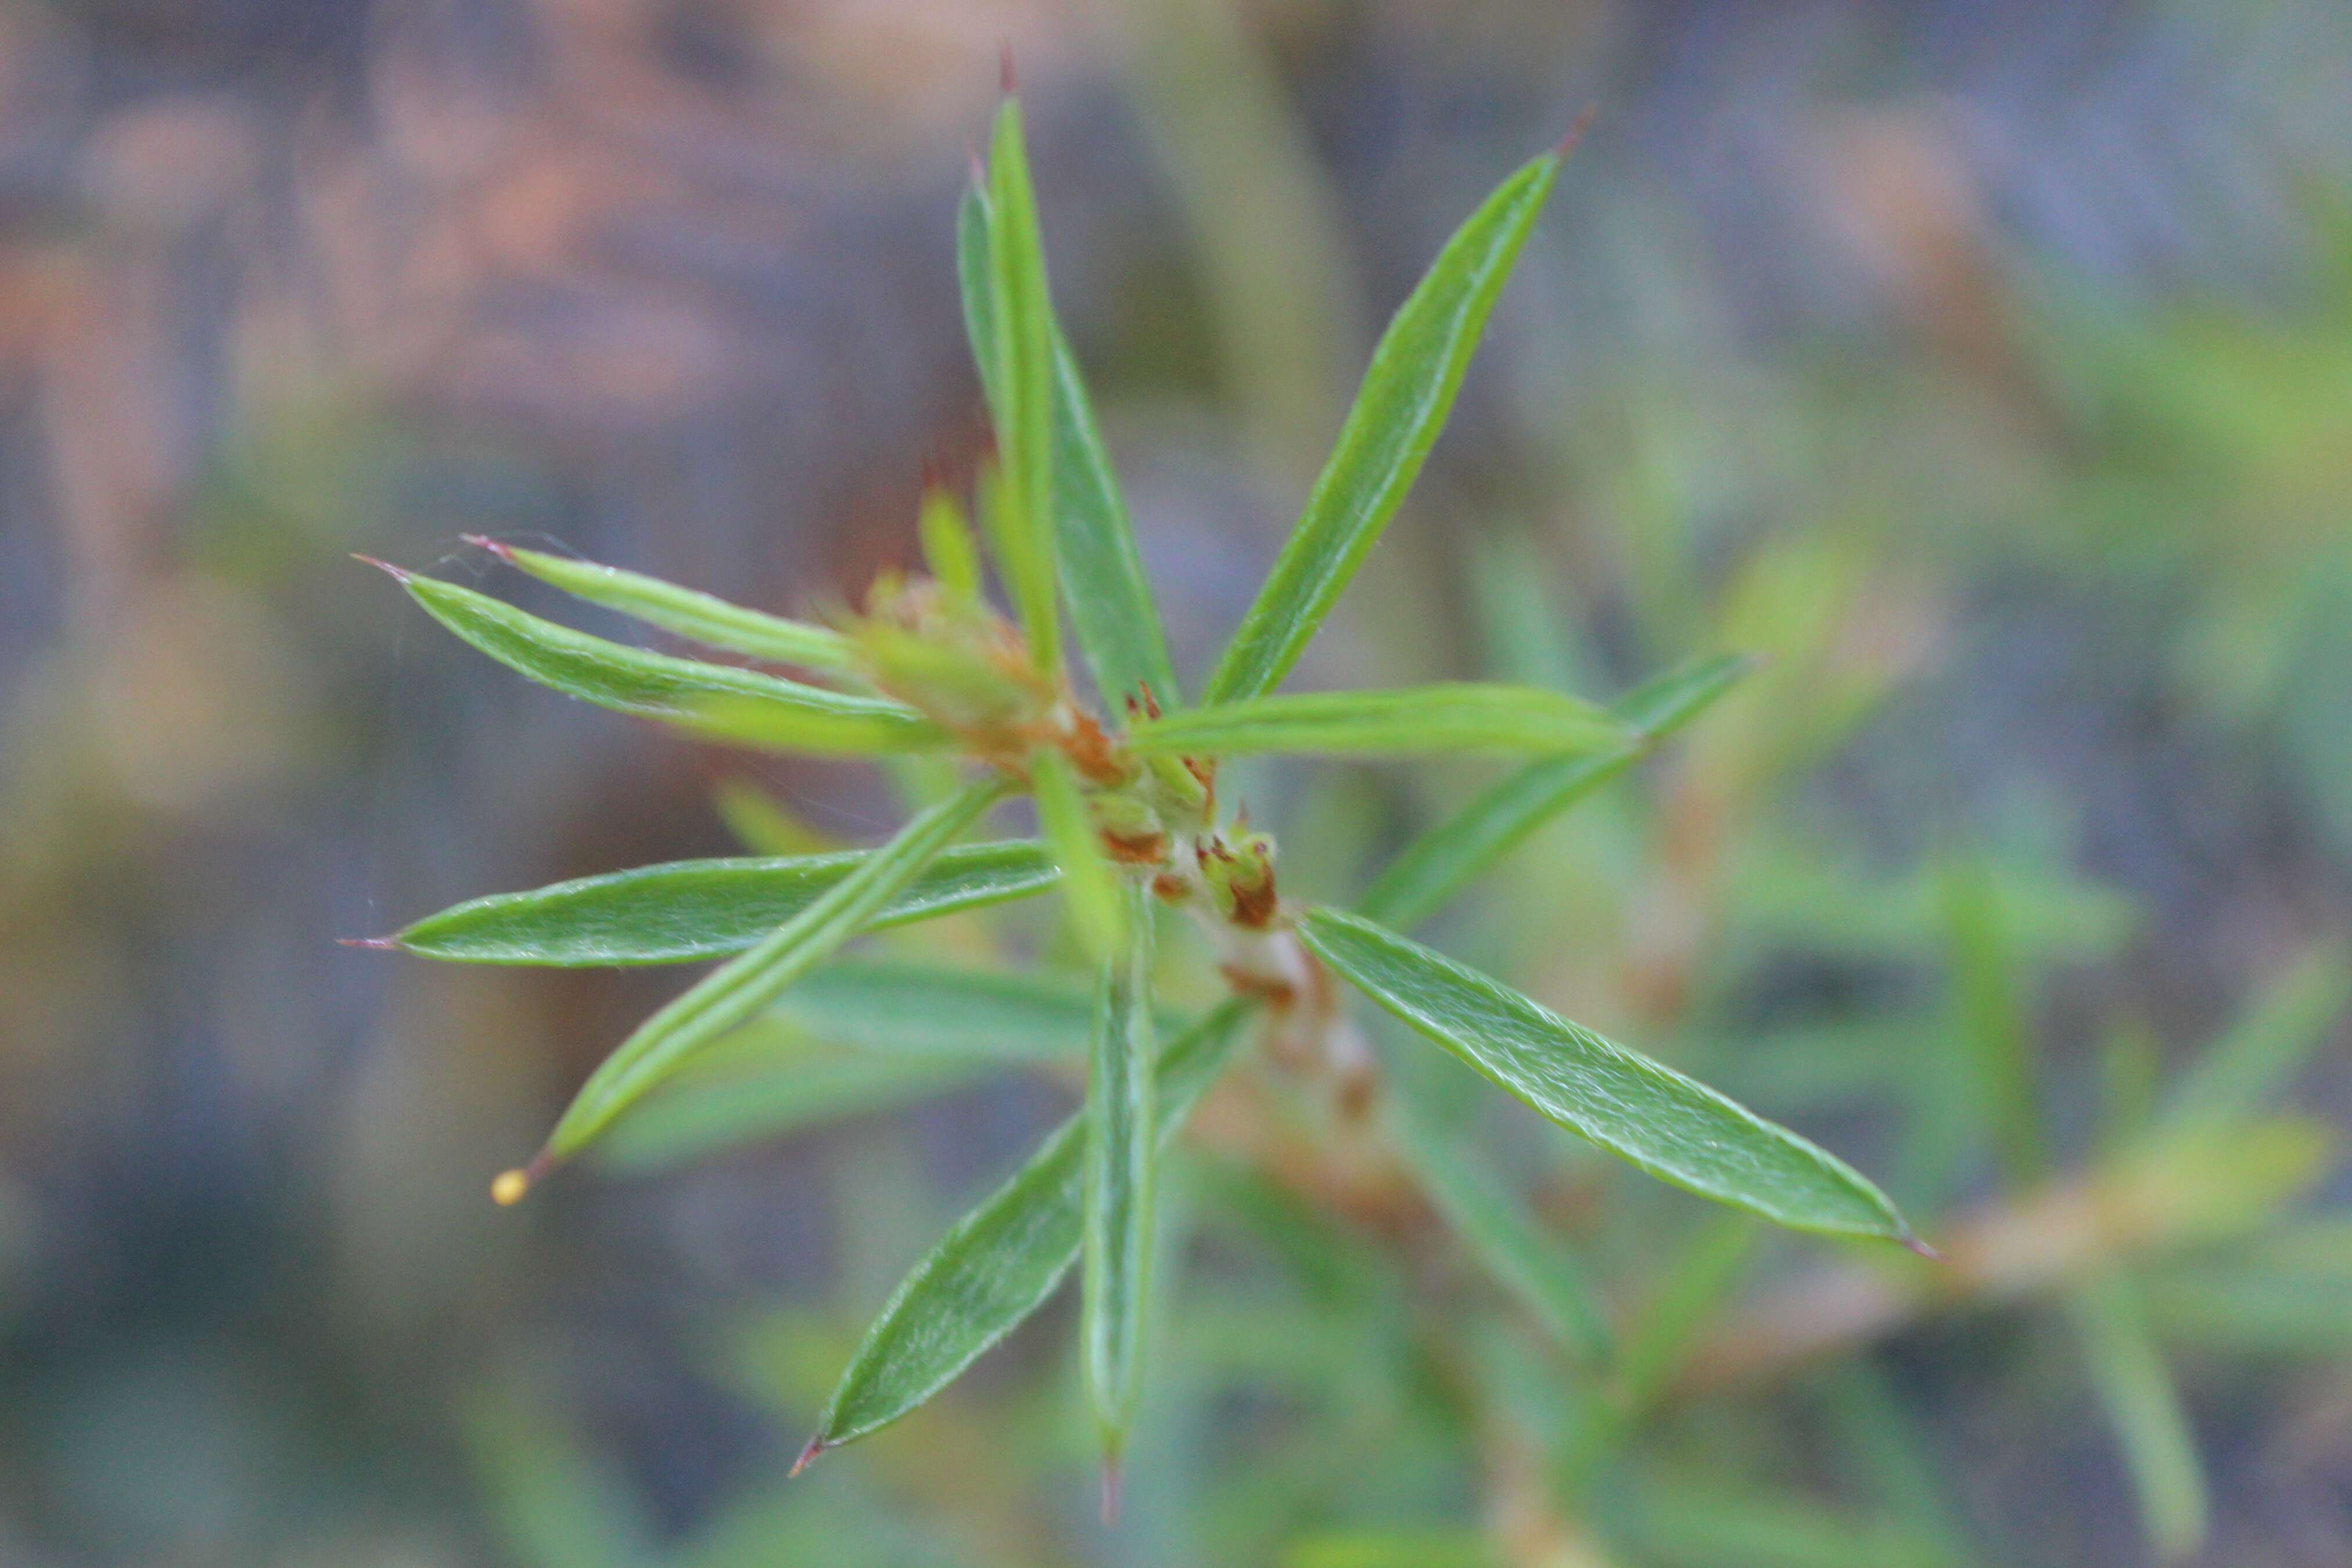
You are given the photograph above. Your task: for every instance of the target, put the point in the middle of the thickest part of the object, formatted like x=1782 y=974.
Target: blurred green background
x=1985 y=364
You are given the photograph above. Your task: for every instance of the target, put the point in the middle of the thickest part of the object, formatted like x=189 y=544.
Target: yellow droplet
x=508 y=1190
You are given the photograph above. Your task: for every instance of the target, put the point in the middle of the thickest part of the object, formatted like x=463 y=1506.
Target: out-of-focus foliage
x=1983 y=368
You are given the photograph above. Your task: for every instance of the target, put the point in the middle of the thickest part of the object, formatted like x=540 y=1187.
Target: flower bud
x=954 y=659
x=1239 y=873
x=1132 y=832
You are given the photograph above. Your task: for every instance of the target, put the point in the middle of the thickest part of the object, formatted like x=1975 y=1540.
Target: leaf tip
x=808 y=1457
x=497 y=548
x=1008 y=78
x=1576 y=132
x=380 y=944
x=1112 y=1489
x=399 y=574
x=1913 y=1244
x=513 y=1185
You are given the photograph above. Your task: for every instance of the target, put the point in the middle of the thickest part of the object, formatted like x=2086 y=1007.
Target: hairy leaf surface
x=1672 y=1126
x=1406 y=394
x=1122 y=1150
x=701 y=617
x=743 y=986
x=685 y=910
x=1002 y=1259
x=716 y=700
x=1022 y=389
x=1466 y=845
x=1103 y=582
x=1460 y=716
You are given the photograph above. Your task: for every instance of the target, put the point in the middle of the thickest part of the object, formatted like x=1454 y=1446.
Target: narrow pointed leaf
x=1466 y=845
x=948 y=546
x=743 y=986
x=1122 y=1148
x=1460 y=716
x=1672 y=1126
x=696 y=616
x=1671 y=699
x=977 y=285
x=687 y=910
x=1103 y=581
x=1088 y=882
x=1003 y=1259
x=715 y=700
x=1504 y=1238
x=1022 y=389
x=1989 y=983
x=1406 y=394
x=2263 y=1050
x=2143 y=1407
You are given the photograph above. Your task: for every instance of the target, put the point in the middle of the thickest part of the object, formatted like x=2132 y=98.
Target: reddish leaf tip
x=504 y=552
x=384 y=944
x=1007 y=77
x=808 y=1457
x=399 y=574
x=1576 y=131
x=1111 y=1490
x=1914 y=1244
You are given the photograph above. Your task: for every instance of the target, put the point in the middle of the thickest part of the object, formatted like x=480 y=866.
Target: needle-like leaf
x=1088 y=882
x=977 y=283
x=718 y=701
x=1670 y=1125
x=1122 y=1149
x=1103 y=582
x=948 y=546
x=1022 y=390
x=2262 y=1052
x=2143 y=1405
x=1460 y=716
x=1406 y=394
x=745 y=985
x=1002 y=1259
x=698 y=617
x=1992 y=1017
x=1463 y=847
x=687 y=910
